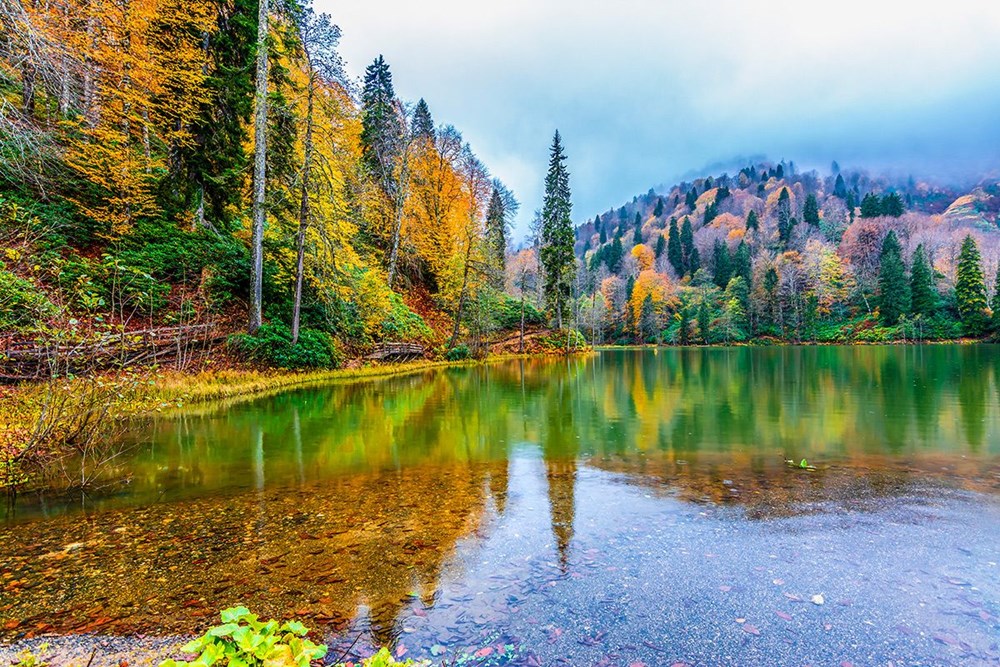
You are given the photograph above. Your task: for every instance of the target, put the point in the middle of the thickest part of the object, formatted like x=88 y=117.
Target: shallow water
x=631 y=507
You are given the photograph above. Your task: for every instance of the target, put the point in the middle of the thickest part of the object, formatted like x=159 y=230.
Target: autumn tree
x=557 y=254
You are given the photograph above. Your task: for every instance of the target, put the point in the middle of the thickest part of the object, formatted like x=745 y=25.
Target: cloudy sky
x=646 y=91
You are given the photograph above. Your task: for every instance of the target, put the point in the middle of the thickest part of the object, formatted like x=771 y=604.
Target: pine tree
x=661 y=245
x=422 y=124
x=615 y=255
x=691 y=199
x=496 y=237
x=810 y=211
x=892 y=205
x=970 y=288
x=840 y=187
x=923 y=293
x=742 y=263
x=557 y=254
x=684 y=326
x=381 y=127
x=694 y=261
x=704 y=322
x=687 y=246
x=658 y=210
x=894 y=297
x=753 y=221
x=871 y=206
x=721 y=264
x=637 y=235
x=785 y=220
x=995 y=305
x=674 y=253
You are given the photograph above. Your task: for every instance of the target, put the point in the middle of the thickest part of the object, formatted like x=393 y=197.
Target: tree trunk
x=521 y=348
x=259 y=172
x=303 y=211
x=461 y=297
x=400 y=203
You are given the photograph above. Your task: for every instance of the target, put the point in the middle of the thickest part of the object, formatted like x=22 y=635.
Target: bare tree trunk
x=28 y=89
x=521 y=349
x=399 y=205
x=303 y=211
x=461 y=297
x=259 y=172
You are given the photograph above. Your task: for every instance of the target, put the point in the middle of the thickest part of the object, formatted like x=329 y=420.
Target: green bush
x=384 y=659
x=555 y=341
x=508 y=313
x=401 y=323
x=244 y=641
x=457 y=353
x=272 y=345
x=22 y=305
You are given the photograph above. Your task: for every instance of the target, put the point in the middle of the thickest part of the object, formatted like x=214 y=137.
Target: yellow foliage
x=655 y=285
x=644 y=256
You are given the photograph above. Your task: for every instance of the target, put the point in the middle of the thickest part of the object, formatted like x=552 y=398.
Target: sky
x=645 y=92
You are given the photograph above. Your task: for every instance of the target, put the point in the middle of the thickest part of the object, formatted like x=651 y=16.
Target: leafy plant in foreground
x=244 y=641
x=384 y=659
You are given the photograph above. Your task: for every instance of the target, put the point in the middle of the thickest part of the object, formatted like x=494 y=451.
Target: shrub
x=22 y=305
x=555 y=341
x=244 y=641
x=508 y=313
x=457 y=353
x=272 y=345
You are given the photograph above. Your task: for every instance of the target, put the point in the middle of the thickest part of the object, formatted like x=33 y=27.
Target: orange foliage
x=644 y=256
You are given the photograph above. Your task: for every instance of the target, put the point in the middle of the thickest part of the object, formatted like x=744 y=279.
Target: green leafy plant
x=457 y=353
x=29 y=658
x=384 y=659
x=245 y=641
x=272 y=345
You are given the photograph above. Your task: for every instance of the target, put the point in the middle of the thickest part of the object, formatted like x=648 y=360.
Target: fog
x=644 y=92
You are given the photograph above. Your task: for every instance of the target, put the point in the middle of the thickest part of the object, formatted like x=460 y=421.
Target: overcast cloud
x=645 y=91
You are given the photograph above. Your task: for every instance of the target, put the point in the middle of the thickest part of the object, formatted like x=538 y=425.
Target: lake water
x=631 y=507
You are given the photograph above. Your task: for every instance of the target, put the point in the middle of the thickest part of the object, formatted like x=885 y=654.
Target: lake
x=787 y=505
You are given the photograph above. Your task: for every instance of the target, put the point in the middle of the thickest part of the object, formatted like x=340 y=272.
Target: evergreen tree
x=810 y=211
x=684 y=326
x=687 y=246
x=970 y=288
x=753 y=221
x=422 y=124
x=892 y=205
x=995 y=305
x=637 y=234
x=694 y=263
x=496 y=237
x=722 y=264
x=704 y=322
x=711 y=213
x=381 y=127
x=615 y=255
x=691 y=199
x=840 y=187
x=894 y=298
x=658 y=210
x=661 y=245
x=742 y=263
x=923 y=293
x=557 y=253
x=648 y=326
x=674 y=253
x=785 y=220
x=851 y=203
x=871 y=206
x=779 y=172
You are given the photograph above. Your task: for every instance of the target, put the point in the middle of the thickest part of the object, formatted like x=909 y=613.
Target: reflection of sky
x=646 y=91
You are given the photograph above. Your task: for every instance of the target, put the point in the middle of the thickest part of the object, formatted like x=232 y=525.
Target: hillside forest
x=208 y=169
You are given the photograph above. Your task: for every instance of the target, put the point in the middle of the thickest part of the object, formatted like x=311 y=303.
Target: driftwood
x=397 y=352
x=29 y=359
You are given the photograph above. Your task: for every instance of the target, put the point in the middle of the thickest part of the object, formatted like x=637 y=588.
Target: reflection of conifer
x=560 y=450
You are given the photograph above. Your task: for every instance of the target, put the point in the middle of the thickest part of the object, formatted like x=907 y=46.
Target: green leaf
x=295 y=627
x=234 y=614
x=223 y=630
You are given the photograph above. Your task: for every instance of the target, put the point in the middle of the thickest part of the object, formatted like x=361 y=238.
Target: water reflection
x=360 y=505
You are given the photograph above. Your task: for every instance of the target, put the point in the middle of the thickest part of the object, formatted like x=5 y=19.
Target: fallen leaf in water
x=725 y=589
x=793 y=597
x=437 y=650
x=778 y=582
x=817 y=599
x=783 y=615
x=484 y=652
x=400 y=651
x=752 y=629
x=741 y=620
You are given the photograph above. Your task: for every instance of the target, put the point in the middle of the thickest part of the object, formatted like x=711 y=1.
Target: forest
x=207 y=172
x=772 y=254
x=209 y=166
